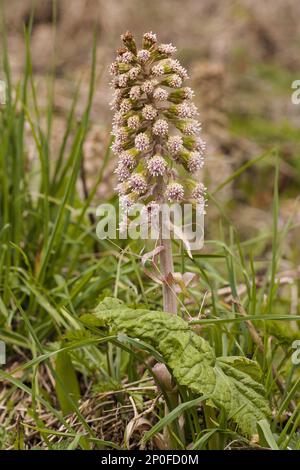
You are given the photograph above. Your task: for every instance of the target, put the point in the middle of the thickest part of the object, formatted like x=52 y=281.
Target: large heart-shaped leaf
x=232 y=383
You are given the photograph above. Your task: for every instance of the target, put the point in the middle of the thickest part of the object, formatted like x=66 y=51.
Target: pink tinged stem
x=167 y=269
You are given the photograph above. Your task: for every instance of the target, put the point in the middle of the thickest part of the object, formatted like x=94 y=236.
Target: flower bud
x=129 y=41
x=149 y=39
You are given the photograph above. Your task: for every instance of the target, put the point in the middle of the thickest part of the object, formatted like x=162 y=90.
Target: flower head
x=123 y=80
x=126 y=202
x=195 y=162
x=158 y=70
x=142 y=142
x=149 y=39
x=148 y=86
x=160 y=94
x=127 y=159
x=113 y=68
x=156 y=165
x=199 y=191
x=135 y=93
x=134 y=72
x=174 y=144
x=160 y=128
x=149 y=112
x=123 y=172
x=192 y=127
x=125 y=106
x=185 y=110
x=134 y=122
x=174 y=81
x=167 y=49
x=188 y=93
x=199 y=195
x=118 y=119
x=126 y=58
x=138 y=183
x=143 y=56
x=174 y=192
x=200 y=145
x=177 y=68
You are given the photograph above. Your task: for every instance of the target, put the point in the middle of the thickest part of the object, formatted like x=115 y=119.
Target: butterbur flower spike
x=157 y=134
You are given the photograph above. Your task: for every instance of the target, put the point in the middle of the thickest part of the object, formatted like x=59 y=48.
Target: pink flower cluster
x=155 y=128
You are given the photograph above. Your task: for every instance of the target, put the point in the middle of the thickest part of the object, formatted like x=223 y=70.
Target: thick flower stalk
x=157 y=134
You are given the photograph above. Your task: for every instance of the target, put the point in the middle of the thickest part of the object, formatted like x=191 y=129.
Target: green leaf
x=243 y=364
x=232 y=383
x=91 y=320
x=240 y=395
x=67 y=383
x=266 y=437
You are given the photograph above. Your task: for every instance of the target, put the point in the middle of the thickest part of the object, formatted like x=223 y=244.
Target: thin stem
x=167 y=268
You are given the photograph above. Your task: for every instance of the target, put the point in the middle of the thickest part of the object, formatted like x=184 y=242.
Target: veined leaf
x=241 y=395
x=231 y=382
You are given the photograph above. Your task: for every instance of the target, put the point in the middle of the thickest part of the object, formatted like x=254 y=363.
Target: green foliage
x=285 y=332
x=232 y=383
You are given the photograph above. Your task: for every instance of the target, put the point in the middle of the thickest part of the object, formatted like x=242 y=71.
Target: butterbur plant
x=157 y=136
x=159 y=149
